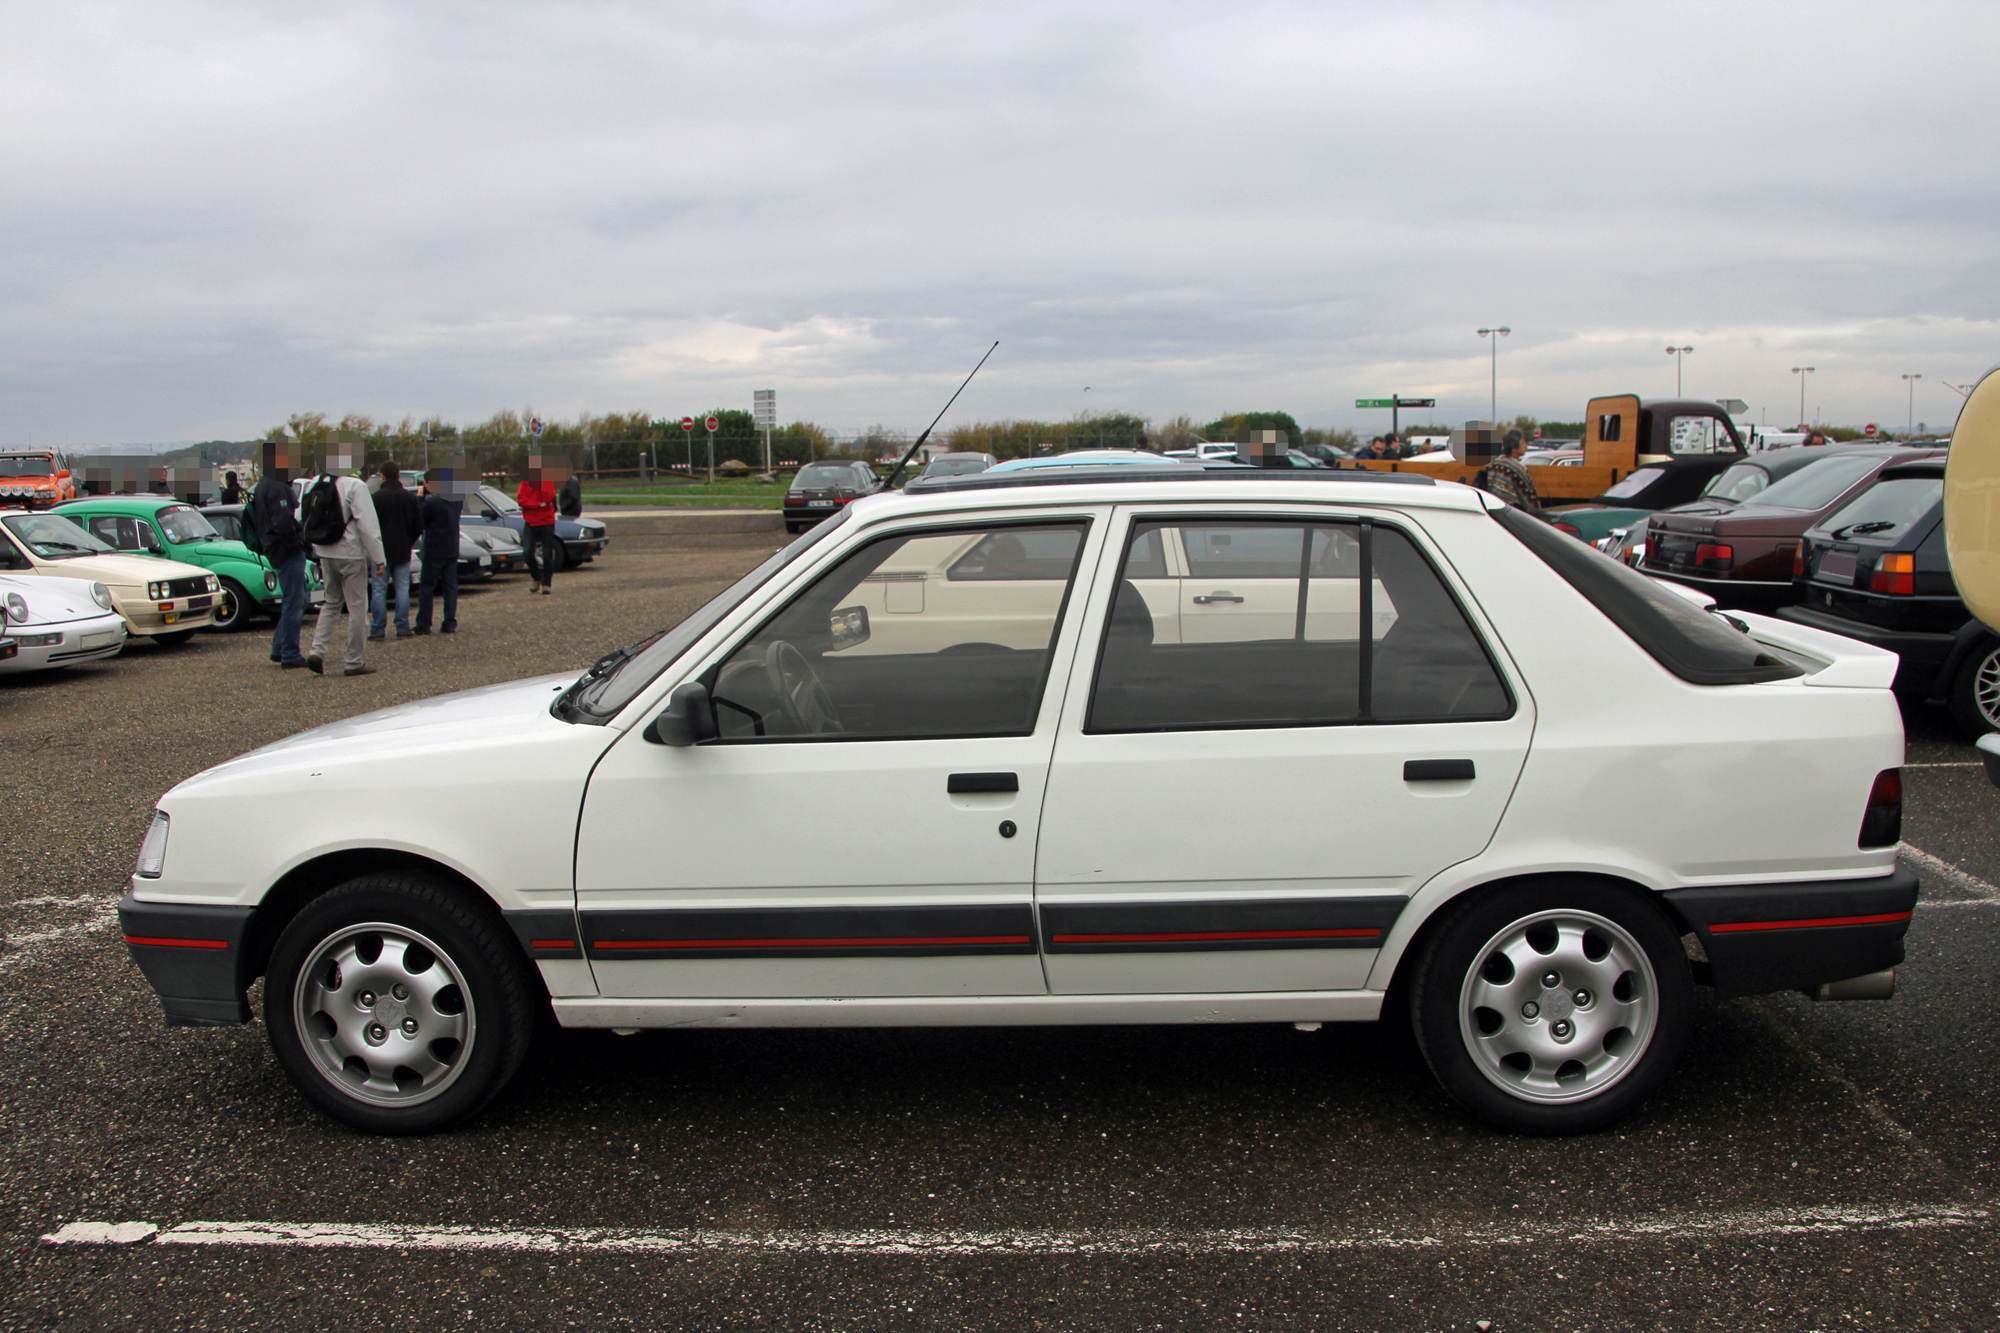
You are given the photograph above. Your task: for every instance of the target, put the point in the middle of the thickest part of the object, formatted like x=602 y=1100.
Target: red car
x=1738 y=541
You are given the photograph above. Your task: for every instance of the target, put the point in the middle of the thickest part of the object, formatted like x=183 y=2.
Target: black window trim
x=709 y=675
x=1367 y=523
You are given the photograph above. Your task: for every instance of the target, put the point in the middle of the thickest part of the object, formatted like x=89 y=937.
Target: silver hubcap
x=1558 y=1006
x=1986 y=689
x=384 y=1014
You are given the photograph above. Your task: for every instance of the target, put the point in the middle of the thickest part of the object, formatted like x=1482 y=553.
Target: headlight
x=156 y=590
x=17 y=608
x=101 y=595
x=153 y=851
x=213 y=586
x=270 y=580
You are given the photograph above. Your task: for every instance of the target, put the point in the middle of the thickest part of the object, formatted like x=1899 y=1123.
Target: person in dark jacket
x=283 y=545
x=402 y=521
x=440 y=572
x=232 y=490
x=569 y=500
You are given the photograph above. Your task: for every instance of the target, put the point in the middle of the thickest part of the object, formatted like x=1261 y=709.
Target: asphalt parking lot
x=1810 y=1167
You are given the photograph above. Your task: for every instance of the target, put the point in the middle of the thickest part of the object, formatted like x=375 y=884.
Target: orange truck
x=33 y=479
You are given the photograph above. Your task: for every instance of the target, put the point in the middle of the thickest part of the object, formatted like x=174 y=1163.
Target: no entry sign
x=711 y=423
x=687 y=424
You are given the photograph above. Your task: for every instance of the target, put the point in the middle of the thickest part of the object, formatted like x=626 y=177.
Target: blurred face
x=340 y=458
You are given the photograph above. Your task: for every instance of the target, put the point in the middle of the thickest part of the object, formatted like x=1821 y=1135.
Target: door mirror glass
x=688 y=719
x=849 y=627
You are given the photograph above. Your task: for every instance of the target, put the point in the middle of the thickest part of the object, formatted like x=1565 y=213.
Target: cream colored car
x=160 y=599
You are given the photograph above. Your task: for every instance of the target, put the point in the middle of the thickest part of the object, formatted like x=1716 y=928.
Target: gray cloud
x=220 y=213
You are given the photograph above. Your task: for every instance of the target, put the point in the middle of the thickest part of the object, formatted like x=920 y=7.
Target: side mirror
x=849 y=626
x=688 y=718
x=62 y=475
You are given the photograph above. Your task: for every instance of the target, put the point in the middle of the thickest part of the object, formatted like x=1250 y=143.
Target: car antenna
x=890 y=484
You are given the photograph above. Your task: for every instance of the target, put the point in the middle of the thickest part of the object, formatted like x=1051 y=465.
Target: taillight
x=1571 y=529
x=1882 y=824
x=1713 y=556
x=1895 y=574
x=1799 y=561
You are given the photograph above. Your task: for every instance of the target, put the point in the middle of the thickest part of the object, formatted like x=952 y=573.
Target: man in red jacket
x=537 y=498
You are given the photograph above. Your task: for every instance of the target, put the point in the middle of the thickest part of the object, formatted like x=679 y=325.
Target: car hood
x=119 y=570
x=52 y=601
x=215 y=550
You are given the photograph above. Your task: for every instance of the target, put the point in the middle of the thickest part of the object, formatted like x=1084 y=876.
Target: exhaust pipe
x=1874 y=986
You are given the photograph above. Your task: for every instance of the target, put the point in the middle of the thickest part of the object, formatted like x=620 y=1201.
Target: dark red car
x=1738 y=541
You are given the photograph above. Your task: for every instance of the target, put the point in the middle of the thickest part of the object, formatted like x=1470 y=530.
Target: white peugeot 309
x=1043 y=678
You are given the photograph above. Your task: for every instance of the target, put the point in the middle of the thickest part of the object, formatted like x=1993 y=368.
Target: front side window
x=1699 y=435
x=1283 y=624
x=53 y=537
x=184 y=524
x=917 y=635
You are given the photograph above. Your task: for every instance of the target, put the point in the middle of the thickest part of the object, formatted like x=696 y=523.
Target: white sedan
x=58 y=622
x=1035 y=677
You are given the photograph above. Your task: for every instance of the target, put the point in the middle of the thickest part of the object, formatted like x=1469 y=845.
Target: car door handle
x=1437 y=770
x=1217 y=597
x=960 y=783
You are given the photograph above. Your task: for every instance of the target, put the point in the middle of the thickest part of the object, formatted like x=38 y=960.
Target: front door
x=1247 y=804
x=865 y=822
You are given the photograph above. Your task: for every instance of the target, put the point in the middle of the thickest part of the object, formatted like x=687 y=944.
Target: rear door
x=1248 y=809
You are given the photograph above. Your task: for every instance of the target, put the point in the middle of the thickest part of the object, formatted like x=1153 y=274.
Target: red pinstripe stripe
x=867 y=942
x=177 y=944
x=1169 y=936
x=1805 y=922
x=552 y=944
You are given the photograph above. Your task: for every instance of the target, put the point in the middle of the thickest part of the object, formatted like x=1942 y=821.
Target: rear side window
x=1885 y=511
x=1691 y=643
x=1284 y=624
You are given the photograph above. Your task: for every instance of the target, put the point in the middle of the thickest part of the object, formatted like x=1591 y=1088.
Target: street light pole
x=1802 y=372
x=1677 y=353
x=1910 y=423
x=1493 y=373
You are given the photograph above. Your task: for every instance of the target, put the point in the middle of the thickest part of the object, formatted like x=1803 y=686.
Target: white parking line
x=102 y=912
x=1954 y=763
x=1755 y=1224
x=1939 y=866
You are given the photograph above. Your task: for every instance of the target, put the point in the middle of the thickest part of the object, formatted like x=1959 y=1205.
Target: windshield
x=955 y=467
x=823 y=476
x=1635 y=483
x=1738 y=484
x=1885 y=511
x=185 y=523
x=53 y=537
x=31 y=465
x=620 y=675
x=1819 y=483
x=500 y=500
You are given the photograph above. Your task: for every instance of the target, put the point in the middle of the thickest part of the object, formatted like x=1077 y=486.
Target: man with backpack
x=337 y=516
x=276 y=530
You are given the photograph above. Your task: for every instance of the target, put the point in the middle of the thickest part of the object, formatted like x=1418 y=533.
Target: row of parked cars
x=79 y=580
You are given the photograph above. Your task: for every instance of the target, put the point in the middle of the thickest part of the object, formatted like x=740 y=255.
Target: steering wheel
x=807 y=705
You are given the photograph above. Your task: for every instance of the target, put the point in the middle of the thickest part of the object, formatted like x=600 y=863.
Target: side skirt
x=1360 y=1006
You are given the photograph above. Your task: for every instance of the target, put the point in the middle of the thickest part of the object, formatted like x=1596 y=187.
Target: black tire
x=232 y=607
x=174 y=638
x=496 y=1014
x=1975 y=715
x=1459 y=964
x=792 y=527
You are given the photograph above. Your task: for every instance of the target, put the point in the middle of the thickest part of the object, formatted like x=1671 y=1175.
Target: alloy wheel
x=1986 y=689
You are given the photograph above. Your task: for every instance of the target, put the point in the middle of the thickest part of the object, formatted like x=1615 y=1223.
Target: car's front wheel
x=1553 y=1006
x=396 y=1005
x=232 y=607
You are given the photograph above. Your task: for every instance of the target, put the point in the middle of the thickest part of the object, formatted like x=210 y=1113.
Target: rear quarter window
x=1694 y=645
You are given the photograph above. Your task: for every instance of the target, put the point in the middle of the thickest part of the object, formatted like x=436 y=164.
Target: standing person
x=537 y=498
x=338 y=517
x=232 y=490
x=569 y=502
x=1394 y=446
x=1507 y=476
x=401 y=519
x=279 y=541
x=440 y=574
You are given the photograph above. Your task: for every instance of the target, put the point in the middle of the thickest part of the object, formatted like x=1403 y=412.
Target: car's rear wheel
x=793 y=527
x=1554 y=1006
x=232 y=607
x=396 y=1005
x=1975 y=693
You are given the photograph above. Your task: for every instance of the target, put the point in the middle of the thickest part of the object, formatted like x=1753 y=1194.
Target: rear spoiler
x=1832 y=660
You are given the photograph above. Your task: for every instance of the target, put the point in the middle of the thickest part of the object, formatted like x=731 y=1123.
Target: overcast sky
x=217 y=214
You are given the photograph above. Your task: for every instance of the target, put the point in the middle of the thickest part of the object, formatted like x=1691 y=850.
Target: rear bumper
x=1773 y=937
x=193 y=957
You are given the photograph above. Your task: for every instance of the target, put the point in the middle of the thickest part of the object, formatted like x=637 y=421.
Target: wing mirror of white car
x=849 y=626
x=688 y=718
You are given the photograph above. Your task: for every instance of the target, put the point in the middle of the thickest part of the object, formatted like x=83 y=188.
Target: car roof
x=131 y=504
x=1174 y=483
x=1075 y=458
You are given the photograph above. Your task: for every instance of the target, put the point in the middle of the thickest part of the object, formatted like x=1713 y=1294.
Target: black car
x=1876 y=570
x=823 y=489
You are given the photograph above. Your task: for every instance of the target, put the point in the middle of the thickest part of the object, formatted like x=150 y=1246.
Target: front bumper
x=1772 y=937
x=194 y=958
x=146 y=618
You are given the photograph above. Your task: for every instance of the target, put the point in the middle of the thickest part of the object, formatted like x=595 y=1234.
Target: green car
x=160 y=526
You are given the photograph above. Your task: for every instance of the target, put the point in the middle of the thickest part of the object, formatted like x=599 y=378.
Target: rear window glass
x=1738 y=483
x=1885 y=511
x=1698 y=647
x=820 y=475
x=1818 y=484
x=1635 y=483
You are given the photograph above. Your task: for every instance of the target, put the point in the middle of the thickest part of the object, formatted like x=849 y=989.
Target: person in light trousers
x=345 y=563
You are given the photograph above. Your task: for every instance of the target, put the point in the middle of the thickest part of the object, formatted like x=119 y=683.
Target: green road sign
x=1374 y=402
